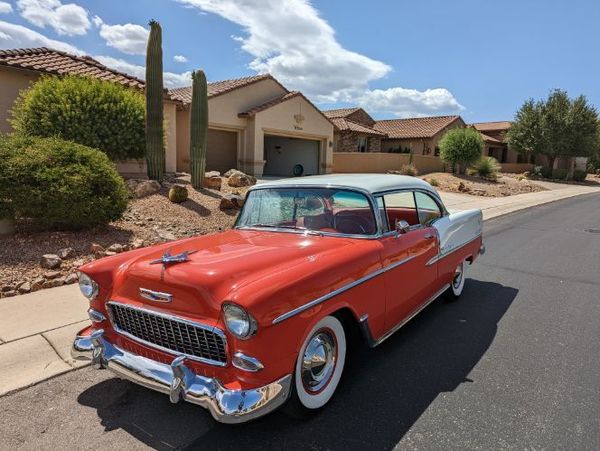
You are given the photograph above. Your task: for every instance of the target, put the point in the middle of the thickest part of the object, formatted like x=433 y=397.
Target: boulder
x=66 y=253
x=228 y=173
x=71 y=278
x=109 y=253
x=59 y=281
x=95 y=248
x=51 y=274
x=37 y=284
x=214 y=182
x=137 y=243
x=164 y=235
x=146 y=188
x=212 y=174
x=116 y=248
x=8 y=294
x=6 y=288
x=50 y=261
x=231 y=202
x=238 y=179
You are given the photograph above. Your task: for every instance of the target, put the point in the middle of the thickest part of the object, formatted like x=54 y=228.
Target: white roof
x=373 y=183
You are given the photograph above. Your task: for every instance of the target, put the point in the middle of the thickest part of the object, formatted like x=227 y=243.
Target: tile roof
x=257 y=109
x=490 y=139
x=492 y=126
x=57 y=62
x=340 y=112
x=418 y=127
x=220 y=87
x=343 y=124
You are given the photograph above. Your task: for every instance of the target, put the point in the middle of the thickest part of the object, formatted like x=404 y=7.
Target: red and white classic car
x=244 y=320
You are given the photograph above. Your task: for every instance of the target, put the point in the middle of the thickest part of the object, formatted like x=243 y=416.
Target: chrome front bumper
x=181 y=383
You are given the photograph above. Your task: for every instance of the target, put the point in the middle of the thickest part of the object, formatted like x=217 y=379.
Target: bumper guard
x=181 y=383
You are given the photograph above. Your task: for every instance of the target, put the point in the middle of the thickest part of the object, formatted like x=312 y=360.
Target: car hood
x=218 y=266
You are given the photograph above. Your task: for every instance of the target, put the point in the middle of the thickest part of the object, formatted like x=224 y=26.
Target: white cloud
x=97 y=21
x=128 y=38
x=5 y=8
x=17 y=36
x=69 y=19
x=170 y=79
x=291 y=41
x=403 y=102
x=180 y=59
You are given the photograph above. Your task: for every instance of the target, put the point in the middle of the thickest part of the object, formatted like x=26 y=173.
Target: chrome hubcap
x=318 y=361
x=458 y=275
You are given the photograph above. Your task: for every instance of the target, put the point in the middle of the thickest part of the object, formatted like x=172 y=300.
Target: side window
x=382 y=215
x=401 y=206
x=428 y=209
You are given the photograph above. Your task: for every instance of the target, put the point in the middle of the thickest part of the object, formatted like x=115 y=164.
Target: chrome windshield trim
x=442 y=255
x=173 y=318
x=340 y=290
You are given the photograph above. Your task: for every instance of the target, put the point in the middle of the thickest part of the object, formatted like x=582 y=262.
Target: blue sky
x=397 y=58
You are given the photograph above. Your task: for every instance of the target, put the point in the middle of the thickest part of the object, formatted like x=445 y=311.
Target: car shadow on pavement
x=382 y=393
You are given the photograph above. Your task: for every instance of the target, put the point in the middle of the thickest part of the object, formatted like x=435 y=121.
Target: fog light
x=246 y=363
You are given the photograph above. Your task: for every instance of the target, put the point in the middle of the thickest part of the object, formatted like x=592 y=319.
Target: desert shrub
x=559 y=174
x=433 y=181
x=579 y=175
x=88 y=111
x=487 y=167
x=461 y=146
x=178 y=194
x=60 y=184
x=409 y=169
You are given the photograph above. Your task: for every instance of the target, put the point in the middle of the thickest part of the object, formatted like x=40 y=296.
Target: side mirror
x=402 y=226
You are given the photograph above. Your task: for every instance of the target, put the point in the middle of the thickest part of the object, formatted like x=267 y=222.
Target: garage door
x=221 y=152
x=291 y=156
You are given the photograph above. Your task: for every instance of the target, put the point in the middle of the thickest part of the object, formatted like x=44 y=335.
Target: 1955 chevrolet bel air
x=244 y=320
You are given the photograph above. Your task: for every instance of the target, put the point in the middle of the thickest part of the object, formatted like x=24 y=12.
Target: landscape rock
x=50 y=261
x=238 y=179
x=95 y=247
x=164 y=235
x=6 y=288
x=51 y=274
x=37 y=284
x=109 y=253
x=71 y=278
x=231 y=202
x=66 y=253
x=54 y=282
x=78 y=263
x=137 y=243
x=214 y=182
x=228 y=173
x=146 y=188
x=212 y=174
x=463 y=188
x=116 y=248
x=8 y=294
x=24 y=287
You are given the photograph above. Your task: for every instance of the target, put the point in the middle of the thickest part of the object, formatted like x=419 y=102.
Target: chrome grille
x=199 y=342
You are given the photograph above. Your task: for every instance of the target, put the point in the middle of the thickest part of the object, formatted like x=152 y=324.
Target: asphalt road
x=514 y=364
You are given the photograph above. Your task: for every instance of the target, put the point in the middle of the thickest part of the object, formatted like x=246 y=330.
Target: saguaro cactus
x=198 y=128
x=155 y=147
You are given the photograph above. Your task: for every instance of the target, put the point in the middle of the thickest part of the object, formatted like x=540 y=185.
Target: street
x=513 y=364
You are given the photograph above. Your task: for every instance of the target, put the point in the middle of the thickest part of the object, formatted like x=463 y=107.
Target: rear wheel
x=458 y=282
x=319 y=367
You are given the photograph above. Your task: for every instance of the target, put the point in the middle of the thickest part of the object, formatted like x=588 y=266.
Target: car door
x=404 y=257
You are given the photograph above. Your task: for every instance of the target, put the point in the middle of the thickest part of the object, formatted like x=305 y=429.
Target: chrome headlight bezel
x=88 y=286
x=238 y=321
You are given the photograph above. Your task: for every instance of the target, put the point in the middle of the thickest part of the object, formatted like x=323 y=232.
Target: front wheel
x=458 y=283
x=319 y=367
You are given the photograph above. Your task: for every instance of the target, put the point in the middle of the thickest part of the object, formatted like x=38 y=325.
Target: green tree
x=461 y=147
x=88 y=111
x=555 y=127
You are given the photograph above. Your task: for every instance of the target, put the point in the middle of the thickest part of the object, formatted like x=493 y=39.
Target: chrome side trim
x=181 y=383
x=173 y=318
x=340 y=290
x=156 y=296
x=441 y=255
x=394 y=329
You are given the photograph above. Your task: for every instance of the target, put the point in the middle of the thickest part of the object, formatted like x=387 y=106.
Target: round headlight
x=238 y=321
x=88 y=287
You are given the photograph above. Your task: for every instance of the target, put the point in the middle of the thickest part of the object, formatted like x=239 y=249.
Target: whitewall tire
x=319 y=367
x=458 y=281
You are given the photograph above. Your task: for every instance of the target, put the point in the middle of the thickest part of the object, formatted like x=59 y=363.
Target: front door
x=410 y=281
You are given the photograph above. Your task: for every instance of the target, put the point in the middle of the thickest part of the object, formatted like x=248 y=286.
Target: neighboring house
x=255 y=123
x=354 y=131
x=493 y=134
x=418 y=136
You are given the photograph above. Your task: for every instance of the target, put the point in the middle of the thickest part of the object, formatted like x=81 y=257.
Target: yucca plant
x=198 y=128
x=155 y=149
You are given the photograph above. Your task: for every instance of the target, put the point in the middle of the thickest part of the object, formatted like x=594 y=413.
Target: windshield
x=325 y=210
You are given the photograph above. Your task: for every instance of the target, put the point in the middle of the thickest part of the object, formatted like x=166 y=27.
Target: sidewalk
x=37 y=329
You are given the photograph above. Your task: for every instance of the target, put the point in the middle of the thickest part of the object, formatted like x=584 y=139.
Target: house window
x=362 y=144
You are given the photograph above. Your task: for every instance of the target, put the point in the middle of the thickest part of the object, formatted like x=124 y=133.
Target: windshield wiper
x=287 y=226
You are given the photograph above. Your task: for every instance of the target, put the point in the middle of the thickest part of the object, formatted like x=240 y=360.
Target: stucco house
x=418 y=135
x=493 y=134
x=255 y=123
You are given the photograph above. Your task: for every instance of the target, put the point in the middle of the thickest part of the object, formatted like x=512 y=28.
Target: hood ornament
x=168 y=259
